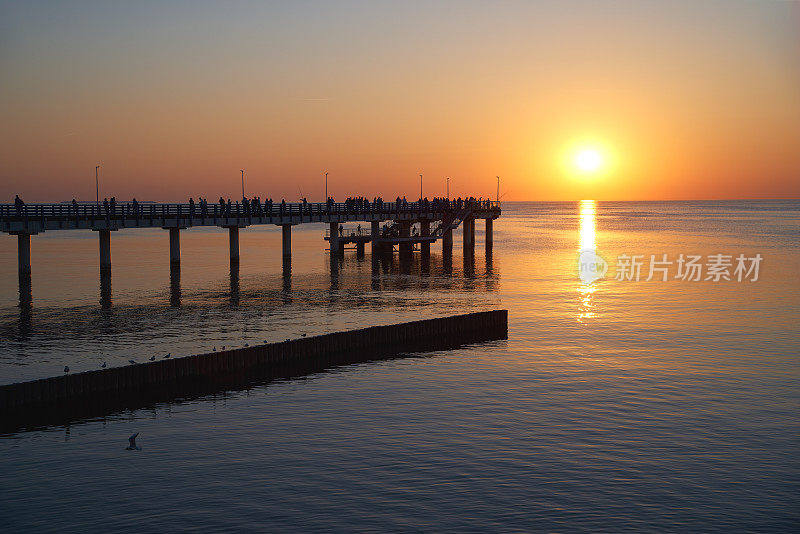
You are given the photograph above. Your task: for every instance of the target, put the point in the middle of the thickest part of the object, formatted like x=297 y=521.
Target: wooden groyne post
x=216 y=370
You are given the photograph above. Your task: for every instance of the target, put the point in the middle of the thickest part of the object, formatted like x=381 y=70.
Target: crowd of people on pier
x=256 y=207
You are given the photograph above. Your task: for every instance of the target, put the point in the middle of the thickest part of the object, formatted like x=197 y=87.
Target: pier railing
x=350 y=232
x=135 y=210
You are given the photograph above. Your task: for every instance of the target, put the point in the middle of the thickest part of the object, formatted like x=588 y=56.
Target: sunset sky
x=681 y=100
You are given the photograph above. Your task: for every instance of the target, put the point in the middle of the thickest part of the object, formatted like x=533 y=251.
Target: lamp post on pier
x=96 y=186
x=242 y=184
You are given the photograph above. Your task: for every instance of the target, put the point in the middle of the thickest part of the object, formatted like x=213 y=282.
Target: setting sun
x=588 y=160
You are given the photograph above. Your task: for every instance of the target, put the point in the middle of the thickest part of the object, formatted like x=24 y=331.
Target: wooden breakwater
x=70 y=396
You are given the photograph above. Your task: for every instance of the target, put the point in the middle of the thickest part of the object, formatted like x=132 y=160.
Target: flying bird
x=132 y=443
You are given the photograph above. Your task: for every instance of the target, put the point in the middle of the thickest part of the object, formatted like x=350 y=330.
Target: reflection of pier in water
x=349 y=280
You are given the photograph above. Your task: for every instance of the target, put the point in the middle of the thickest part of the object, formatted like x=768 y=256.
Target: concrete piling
x=447 y=241
x=425 y=231
x=105 y=251
x=286 y=232
x=405 y=246
x=334 y=241
x=375 y=231
x=233 y=237
x=174 y=248
x=469 y=234
x=24 y=254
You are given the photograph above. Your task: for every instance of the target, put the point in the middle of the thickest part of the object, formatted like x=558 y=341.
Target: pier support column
x=233 y=233
x=489 y=238
x=24 y=255
x=286 y=231
x=425 y=231
x=105 y=251
x=447 y=241
x=360 y=249
x=472 y=233
x=375 y=232
x=174 y=248
x=447 y=261
x=469 y=235
x=405 y=246
x=105 y=289
x=336 y=245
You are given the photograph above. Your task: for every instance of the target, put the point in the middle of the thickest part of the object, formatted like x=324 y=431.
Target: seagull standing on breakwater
x=169 y=355
x=153 y=358
x=66 y=369
x=132 y=443
x=104 y=365
x=131 y=362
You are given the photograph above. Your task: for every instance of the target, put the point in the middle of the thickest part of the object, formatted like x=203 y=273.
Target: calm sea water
x=620 y=405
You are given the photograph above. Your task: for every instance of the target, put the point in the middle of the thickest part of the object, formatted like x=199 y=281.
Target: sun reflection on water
x=587 y=225
x=588 y=243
